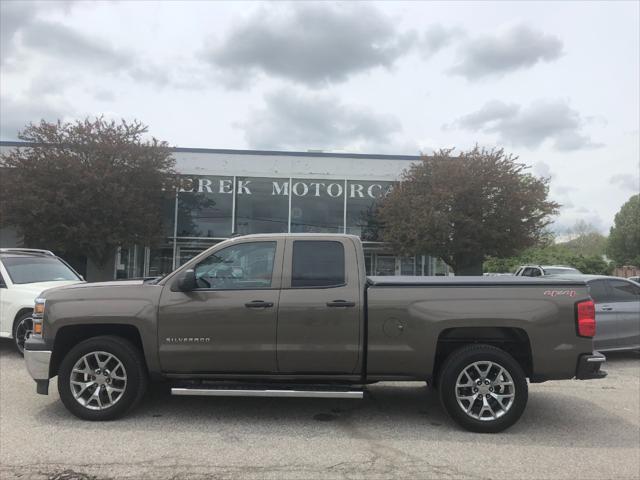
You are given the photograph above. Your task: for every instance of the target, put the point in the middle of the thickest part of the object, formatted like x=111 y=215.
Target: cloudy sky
x=554 y=83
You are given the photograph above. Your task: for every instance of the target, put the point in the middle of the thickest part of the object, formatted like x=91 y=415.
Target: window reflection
x=317 y=206
x=243 y=266
x=160 y=261
x=362 y=204
x=205 y=207
x=262 y=205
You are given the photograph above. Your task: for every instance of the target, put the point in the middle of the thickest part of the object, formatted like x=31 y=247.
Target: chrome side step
x=251 y=392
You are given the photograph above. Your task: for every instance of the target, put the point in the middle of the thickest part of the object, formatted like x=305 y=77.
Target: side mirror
x=187 y=281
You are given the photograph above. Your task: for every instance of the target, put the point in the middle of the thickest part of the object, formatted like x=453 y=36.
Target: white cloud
x=542 y=120
x=294 y=120
x=630 y=182
x=314 y=44
x=15 y=114
x=517 y=48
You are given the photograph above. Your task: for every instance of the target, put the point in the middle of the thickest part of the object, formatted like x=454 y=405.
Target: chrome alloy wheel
x=98 y=380
x=24 y=329
x=485 y=390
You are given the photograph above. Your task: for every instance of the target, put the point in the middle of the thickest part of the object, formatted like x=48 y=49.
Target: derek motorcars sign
x=300 y=188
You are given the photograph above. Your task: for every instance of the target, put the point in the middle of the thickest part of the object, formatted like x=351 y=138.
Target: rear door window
x=531 y=272
x=317 y=264
x=624 y=291
x=600 y=292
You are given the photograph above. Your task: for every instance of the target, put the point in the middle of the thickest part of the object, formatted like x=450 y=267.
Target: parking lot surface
x=570 y=429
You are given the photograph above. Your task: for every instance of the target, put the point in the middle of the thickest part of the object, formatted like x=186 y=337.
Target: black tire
x=18 y=331
x=135 y=371
x=453 y=367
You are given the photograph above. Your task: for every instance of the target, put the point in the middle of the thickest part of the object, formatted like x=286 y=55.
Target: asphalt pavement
x=570 y=429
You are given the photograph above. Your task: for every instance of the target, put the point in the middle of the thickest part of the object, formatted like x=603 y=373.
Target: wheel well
x=514 y=341
x=20 y=312
x=68 y=337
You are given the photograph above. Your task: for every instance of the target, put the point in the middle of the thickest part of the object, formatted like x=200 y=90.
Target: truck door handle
x=258 y=304
x=607 y=308
x=341 y=303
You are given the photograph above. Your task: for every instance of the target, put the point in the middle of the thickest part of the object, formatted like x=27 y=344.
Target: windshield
x=37 y=269
x=561 y=271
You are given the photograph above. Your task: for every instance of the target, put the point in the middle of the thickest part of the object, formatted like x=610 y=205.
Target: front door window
x=239 y=267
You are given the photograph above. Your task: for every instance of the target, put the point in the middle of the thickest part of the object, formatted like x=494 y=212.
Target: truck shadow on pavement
x=401 y=413
x=559 y=416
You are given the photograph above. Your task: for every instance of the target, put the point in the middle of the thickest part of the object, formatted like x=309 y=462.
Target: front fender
x=103 y=304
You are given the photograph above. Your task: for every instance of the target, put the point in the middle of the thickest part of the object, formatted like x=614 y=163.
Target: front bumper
x=38 y=362
x=589 y=366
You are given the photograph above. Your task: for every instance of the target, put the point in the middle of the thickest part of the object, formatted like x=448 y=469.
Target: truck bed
x=409 y=316
x=404 y=281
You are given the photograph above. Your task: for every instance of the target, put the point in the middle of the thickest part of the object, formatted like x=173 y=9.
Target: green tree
x=87 y=187
x=585 y=239
x=463 y=208
x=624 y=237
x=590 y=244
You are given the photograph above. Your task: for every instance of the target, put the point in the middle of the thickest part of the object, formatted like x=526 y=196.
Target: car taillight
x=586 y=318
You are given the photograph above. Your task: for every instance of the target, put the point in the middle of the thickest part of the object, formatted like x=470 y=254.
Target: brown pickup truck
x=296 y=316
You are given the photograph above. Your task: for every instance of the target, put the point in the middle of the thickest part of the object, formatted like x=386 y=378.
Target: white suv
x=24 y=274
x=541 y=270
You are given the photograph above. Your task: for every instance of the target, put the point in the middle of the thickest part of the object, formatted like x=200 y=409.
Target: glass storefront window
x=160 y=261
x=368 y=263
x=205 y=206
x=317 y=206
x=205 y=215
x=187 y=249
x=385 y=265
x=407 y=266
x=362 y=198
x=168 y=213
x=130 y=262
x=262 y=205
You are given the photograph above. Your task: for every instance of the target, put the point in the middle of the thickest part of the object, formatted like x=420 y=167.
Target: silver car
x=617 y=311
x=542 y=270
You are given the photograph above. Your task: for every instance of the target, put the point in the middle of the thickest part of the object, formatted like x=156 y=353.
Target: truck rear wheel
x=483 y=388
x=102 y=378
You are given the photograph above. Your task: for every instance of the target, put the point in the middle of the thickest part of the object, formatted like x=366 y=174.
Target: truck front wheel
x=483 y=388
x=102 y=378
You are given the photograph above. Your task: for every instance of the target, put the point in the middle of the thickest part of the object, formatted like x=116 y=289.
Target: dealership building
x=235 y=192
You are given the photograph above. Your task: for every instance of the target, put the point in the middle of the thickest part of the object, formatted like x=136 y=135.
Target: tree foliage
x=624 y=237
x=462 y=208
x=589 y=244
x=84 y=188
x=584 y=239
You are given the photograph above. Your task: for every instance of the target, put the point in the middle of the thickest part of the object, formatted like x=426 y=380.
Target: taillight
x=586 y=318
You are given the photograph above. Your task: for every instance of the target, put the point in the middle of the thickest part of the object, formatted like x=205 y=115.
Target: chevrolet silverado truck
x=294 y=315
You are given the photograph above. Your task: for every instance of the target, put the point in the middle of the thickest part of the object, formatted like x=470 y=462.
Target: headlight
x=38 y=313
x=38 y=309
